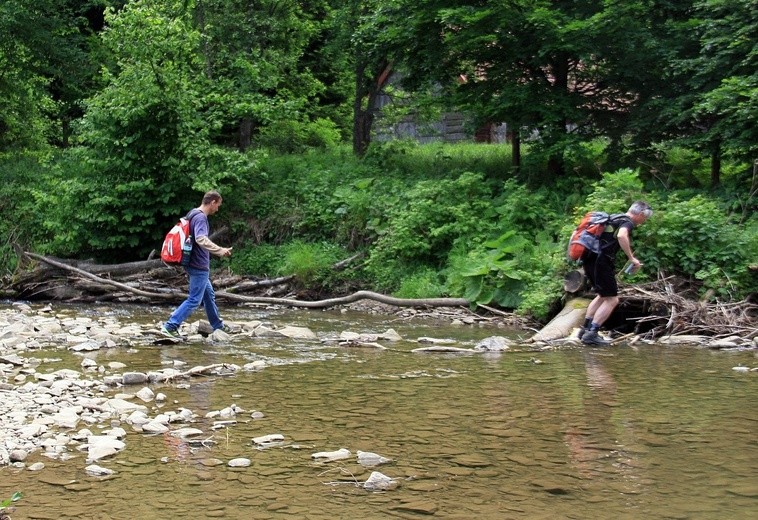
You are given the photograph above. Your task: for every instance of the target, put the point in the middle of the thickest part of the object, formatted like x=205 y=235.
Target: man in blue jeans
x=200 y=288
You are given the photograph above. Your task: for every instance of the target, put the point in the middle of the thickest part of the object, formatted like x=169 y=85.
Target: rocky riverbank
x=56 y=412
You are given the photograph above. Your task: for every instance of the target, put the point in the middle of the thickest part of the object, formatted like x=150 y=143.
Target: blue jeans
x=200 y=290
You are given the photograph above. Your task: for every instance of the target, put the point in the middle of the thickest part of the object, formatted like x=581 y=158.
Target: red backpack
x=587 y=234
x=177 y=239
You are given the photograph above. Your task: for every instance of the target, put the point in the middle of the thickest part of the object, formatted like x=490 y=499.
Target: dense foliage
x=115 y=115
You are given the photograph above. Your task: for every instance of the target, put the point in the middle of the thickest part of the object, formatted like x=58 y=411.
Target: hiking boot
x=591 y=337
x=170 y=333
x=581 y=333
x=225 y=328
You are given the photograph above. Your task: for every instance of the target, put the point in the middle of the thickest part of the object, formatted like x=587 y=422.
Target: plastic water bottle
x=630 y=268
x=186 y=251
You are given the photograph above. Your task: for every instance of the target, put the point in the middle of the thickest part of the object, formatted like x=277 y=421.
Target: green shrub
x=20 y=174
x=311 y=263
x=296 y=136
x=256 y=260
x=694 y=238
x=422 y=224
x=424 y=283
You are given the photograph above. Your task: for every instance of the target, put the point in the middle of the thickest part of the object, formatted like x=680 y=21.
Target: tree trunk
x=516 y=150
x=363 y=114
x=245 y=133
x=716 y=165
x=555 y=163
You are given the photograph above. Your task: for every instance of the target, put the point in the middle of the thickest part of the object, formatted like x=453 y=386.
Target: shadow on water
x=646 y=432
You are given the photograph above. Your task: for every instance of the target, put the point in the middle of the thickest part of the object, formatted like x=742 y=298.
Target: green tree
x=144 y=141
x=46 y=68
x=253 y=54
x=721 y=101
x=571 y=71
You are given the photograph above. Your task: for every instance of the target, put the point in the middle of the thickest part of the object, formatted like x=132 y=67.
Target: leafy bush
x=425 y=283
x=692 y=237
x=423 y=223
x=20 y=175
x=311 y=263
x=257 y=260
x=296 y=136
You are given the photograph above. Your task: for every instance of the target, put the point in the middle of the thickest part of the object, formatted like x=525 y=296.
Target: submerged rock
x=328 y=456
x=379 y=482
x=368 y=459
x=493 y=344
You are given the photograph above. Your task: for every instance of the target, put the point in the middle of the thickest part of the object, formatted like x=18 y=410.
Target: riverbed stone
x=154 y=427
x=94 y=470
x=146 y=394
x=101 y=446
x=293 y=332
x=121 y=406
x=184 y=433
x=17 y=456
x=494 y=344
x=239 y=463
x=133 y=378
x=67 y=417
x=369 y=459
x=379 y=482
x=329 y=456
x=268 y=440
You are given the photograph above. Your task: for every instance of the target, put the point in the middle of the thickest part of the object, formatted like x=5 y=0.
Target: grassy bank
x=433 y=220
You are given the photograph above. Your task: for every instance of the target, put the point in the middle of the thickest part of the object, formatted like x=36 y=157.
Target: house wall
x=450 y=128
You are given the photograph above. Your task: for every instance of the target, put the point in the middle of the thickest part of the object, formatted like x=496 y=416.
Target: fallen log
x=102 y=281
x=350 y=298
x=100 y=285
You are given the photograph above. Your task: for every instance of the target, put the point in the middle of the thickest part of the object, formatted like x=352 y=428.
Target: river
x=644 y=431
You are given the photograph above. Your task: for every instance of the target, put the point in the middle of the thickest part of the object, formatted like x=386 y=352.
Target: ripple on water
x=575 y=437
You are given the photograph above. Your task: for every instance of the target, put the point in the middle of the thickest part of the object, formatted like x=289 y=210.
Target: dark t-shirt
x=609 y=242
x=199 y=226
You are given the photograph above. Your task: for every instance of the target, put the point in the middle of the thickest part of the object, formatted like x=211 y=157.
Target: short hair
x=640 y=207
x=211 y=196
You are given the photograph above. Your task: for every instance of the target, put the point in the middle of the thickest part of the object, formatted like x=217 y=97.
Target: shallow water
x=623 y=432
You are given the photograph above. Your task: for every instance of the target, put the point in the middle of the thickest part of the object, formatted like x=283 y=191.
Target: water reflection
x=575 y=433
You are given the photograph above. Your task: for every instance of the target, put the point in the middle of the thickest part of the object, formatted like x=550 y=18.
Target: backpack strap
x=615 y=221
x=189 y=216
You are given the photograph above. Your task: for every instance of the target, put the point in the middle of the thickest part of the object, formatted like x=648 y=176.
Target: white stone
x=268 y=439
x=146 y=394
x=328 y=456
x=67 y=417
x=239 y=463
x=493 y=344
x=379 y=482
x=154 y=427
x=100 y=446
x=368 y=459
x=94 y=470
x=184 y=433
x=121 y=406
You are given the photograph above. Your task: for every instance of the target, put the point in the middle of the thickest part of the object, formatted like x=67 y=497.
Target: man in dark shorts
x=600 y=268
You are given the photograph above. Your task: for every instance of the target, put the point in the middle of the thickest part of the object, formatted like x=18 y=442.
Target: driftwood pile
x=674 y=310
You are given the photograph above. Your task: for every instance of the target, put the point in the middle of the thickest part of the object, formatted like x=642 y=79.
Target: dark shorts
x=602 y=274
